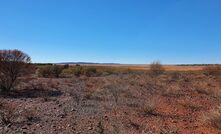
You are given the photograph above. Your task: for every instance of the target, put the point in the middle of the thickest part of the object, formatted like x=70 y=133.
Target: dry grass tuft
x=172 y=91
x=7 y=114
x=212 y=70
x=149 y=108
x=213 y=118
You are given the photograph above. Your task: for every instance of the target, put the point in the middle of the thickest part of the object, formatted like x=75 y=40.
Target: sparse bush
x=203 y=88
x=212 y=70
x=78 y=71
x=44 y=71
x=90 y=71
x=117 y=127
x=77 y=97
x=175 y=75
x=115 y=90
x=149 y=108
x=66 y=66
x=172 y=91
x=133 y=125
x=213 y=118
x=67 y=71
x=7 y=114
x=56 y=70
x=13 y=64
x=29 y=115
x=50 y=71
x=193 y=106
x=100 y=128
x=156 y=68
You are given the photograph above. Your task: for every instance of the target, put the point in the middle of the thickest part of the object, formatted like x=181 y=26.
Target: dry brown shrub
x=29 y=114
x=172 y=91
x=213 y=118
x=149 y=107
x=90 y=71
x=203 y=87
x=212 y=70
x=156 y=68
x=8 y=113
x=100 y=127
x=191 y=105
x=175 y=76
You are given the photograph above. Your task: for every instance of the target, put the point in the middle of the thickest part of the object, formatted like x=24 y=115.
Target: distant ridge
x=87 y=63
x=195 y=64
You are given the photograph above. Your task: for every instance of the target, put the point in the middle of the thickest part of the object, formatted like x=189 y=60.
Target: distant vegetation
x=50 y=71
x=212 y=70
x=195 y=64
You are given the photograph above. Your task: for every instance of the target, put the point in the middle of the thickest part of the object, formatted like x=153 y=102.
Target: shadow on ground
x=32 y=93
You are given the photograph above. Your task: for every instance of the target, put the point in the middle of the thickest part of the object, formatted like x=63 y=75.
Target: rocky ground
x=134 y=103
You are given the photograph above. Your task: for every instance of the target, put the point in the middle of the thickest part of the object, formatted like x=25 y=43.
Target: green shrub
x=44 y=71
x=91 y=71
x=56 y=70
x=78 y=71
x=51 y=71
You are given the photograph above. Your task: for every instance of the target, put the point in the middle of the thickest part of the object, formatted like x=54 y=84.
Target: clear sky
x=119 y=31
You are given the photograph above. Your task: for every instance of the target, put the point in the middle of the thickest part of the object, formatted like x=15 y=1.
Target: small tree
x=156 y=68
x=13 y=63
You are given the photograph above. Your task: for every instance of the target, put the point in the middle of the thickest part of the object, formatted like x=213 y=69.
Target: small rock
x=90 y=128
x=72 y=110
x=24 y=128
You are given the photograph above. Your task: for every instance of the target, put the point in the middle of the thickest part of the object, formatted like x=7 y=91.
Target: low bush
x=156 y=68
x=8 y=113
x=56 y=70
x=213 y=118
x=90 y=71
x=51 y=71
x=212 y=70
x=149 y=108
x=44 y=71
x=78 y=71
x=66 y=66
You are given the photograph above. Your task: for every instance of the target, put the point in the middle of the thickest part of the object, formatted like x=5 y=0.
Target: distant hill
x=196 y=64
x=87 y=63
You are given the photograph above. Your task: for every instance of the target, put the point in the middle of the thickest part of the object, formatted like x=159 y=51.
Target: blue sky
x=119 y=31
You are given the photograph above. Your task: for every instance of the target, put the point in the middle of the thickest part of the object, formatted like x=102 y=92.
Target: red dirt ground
x=114 y=104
